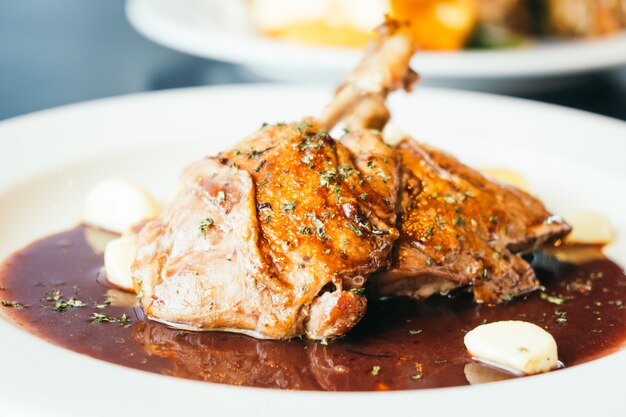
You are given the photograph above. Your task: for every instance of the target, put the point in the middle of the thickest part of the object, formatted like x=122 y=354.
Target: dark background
x=55 y=52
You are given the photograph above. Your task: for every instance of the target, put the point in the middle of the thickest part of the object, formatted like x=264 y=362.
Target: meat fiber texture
x=458 y=228
x=275 y=238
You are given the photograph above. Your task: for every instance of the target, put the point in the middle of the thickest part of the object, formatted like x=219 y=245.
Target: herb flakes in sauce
x=12 y=304
x=97 y=318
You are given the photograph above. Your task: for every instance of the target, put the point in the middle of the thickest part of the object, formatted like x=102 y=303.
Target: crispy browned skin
x=458 y=228
x=299 y=223
x=297 y=220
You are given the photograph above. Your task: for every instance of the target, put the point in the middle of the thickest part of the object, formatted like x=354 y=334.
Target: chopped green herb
x=345 y=171
x=305 y=230
x=54 y=295
x=204 y=224
x=363 y=196
x=63 y=305
x=97 y=318
x=268 y=218
x=220 y=197
x=354 y=229
x=328 y=177
x=375 y=370
x=253 y=154
x=358 y=291
x=438 y=248
x=258 y=168
x=383 y=175
x=449 y=199
x=387 y=201
x=552 y=299
x=319 y=228
x=290 y=206
x=523 y=349
x=495 y=255
x=459 y=221
x=108 y=300
x=12 y=304
x=429 y=261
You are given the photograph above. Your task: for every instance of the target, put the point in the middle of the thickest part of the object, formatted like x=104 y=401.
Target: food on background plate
x=356 y=257
x=439 y=24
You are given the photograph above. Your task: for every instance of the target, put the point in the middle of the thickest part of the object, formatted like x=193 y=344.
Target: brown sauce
x=399 y=345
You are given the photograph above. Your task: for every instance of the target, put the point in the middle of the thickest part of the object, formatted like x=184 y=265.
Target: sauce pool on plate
x=54 y=288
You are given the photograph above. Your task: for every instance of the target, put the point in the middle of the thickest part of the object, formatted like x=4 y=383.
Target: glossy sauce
x=399 y=345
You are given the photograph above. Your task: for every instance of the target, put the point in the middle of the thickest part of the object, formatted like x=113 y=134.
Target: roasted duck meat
x=459 y=228
x=277 y=236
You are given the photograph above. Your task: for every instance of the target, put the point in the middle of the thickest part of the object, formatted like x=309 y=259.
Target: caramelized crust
x=458 y=228
x=298 y=223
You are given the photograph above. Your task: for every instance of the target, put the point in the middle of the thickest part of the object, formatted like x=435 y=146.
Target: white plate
x=50 y=159
x=221 y=30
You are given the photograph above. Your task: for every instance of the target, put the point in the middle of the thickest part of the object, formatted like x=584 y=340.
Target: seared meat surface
x=275 y=237
x=278 y=236
x=459 y=228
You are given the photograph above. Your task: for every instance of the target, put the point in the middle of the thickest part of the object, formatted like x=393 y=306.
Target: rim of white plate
x=186 y=26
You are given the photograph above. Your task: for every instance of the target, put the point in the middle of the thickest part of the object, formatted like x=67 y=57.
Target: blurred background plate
x=222 y=30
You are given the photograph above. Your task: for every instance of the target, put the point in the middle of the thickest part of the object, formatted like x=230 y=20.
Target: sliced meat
x=458 y=228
